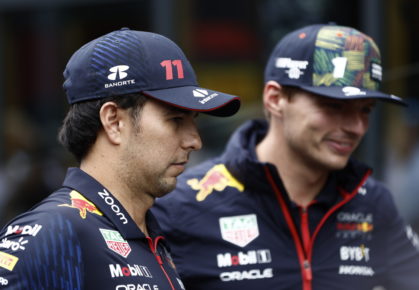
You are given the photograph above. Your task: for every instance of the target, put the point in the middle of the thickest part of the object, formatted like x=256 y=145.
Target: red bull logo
x=79 y=202
x=217 y=178
x=360 y=227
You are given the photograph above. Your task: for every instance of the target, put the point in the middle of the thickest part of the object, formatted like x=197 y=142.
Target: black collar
x=95 y=192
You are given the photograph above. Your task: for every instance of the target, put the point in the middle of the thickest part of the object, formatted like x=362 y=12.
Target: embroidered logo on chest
x=115 y=242
x=354 y=224
x=239 y=230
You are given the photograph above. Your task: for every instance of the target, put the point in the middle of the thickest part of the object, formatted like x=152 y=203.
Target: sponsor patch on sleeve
x=8 y=261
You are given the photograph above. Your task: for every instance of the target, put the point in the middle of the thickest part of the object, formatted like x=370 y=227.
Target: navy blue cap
x=329 y=60
x=128 y=61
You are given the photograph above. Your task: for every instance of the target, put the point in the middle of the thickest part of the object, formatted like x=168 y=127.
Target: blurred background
x=227 y=42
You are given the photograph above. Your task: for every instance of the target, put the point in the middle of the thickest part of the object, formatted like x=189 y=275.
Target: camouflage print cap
x=331 y=61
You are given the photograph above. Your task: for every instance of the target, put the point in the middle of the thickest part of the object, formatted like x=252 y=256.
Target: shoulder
x=202 y=183
x=376 y=190
x=202 y=188
x=42 y=242
x=187 y=183
x=56 y=238
x=374 y=196
x=183 y=195
x=59 y=216
x=44 y=220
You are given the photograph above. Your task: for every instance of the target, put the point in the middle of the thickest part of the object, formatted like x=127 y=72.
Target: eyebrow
x=176 y=110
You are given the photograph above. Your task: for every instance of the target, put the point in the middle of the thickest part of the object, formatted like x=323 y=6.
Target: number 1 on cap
x=340 y=65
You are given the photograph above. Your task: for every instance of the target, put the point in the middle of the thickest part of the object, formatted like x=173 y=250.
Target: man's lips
x=180 y=165
x=343 y=147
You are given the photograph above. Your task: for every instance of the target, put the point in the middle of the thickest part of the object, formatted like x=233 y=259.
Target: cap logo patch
x=169 y=64
x=376 y=72
x=340 y=65
x=352 y=91
x=295 y=67
x=200 y=93
x=118 y=72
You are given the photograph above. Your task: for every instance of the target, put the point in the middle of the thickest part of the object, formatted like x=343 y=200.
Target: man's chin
x=337 y=164
x=166 y=187
x=330 y=162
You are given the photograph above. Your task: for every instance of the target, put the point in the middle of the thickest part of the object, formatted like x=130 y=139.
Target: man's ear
x=111 y=120
x=273 y=98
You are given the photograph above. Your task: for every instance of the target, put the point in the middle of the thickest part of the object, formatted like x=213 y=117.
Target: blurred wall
x=228 y=43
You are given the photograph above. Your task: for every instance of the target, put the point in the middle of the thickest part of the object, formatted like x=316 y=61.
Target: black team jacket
x=232 y=226
x=81 y=237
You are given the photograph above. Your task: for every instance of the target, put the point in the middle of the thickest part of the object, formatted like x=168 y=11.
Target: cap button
x=124 y=28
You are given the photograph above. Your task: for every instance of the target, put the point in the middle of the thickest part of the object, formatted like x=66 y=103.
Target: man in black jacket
x=285 y=206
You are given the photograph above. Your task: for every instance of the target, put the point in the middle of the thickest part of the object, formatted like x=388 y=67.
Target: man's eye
x=367 y=110
x=177 y=119
x=333 y=105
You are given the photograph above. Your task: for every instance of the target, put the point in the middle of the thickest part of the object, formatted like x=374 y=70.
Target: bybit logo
x=118 y=71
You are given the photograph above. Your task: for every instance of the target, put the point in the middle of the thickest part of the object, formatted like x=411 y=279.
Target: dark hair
x=82 y=123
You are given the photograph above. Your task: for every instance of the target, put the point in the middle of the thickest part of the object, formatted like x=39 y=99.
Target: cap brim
x=198 y=99
x=340 y=93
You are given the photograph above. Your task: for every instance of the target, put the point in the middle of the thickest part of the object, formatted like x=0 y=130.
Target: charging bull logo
x=79 y=202
x=217 y=178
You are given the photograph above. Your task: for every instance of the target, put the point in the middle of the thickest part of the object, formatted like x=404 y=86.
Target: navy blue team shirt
x=81 y=237
x=232 y=226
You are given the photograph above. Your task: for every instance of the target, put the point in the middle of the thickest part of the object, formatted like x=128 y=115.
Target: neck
x=301 y=181
x=136 y=204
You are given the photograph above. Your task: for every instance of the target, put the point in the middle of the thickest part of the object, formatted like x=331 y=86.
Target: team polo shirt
x=232 y=226
x=81 y=237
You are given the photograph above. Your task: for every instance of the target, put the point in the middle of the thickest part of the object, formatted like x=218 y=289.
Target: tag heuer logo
x=239 y=230
x=118 y=72
x=115 y=242
x=200 y=93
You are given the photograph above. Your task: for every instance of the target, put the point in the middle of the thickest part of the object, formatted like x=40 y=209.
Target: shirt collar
x=103 y=199
x=330 y=193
